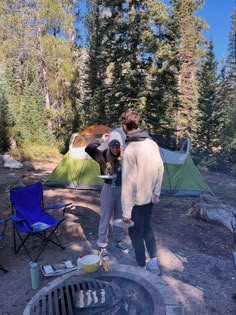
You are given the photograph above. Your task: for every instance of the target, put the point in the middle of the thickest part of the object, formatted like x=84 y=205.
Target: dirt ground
x=195 y=256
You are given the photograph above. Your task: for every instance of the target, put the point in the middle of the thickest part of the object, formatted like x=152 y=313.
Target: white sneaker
x=152 y=265
x=141 y=268
x=104 y=254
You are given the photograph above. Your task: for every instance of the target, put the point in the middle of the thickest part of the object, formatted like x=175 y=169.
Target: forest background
x=63 y=68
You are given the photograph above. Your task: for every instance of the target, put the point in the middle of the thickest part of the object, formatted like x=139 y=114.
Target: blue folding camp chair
x=3 y=222
x=30 y=220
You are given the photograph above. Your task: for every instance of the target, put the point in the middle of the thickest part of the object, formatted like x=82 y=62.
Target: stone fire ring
x=163 y=297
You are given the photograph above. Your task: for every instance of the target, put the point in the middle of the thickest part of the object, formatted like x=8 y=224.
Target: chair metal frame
x=23 y=224
x=2 y=237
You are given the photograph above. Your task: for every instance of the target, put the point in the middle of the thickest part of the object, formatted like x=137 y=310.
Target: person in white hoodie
x=142 y=174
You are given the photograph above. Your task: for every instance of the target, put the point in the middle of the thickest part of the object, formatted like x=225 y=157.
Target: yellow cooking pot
x=90 y=263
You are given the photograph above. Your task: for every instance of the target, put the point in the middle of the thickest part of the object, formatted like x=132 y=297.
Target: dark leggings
x=141 y=233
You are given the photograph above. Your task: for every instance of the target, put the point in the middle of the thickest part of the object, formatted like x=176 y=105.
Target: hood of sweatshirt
x=137 y=135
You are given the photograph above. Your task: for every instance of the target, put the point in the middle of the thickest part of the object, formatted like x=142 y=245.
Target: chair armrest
x=62 y=206
x=5 y=220
x=16 y=219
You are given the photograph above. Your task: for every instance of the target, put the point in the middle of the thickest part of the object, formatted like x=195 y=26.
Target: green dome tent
x=77 y=170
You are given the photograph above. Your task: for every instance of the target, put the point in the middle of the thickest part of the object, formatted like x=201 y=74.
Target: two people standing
x=141 y=177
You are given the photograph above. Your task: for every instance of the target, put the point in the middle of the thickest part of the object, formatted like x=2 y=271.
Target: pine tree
x=126 y=84
x=132 y=61
x=208 y=116
x=190 y=44
x=96 y=64
x=228 y=96
x=4 y=139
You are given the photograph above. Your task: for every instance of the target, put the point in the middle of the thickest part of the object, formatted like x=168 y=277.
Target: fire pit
x=123 y=290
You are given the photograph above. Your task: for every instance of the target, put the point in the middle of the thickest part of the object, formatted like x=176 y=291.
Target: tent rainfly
x=77 y=170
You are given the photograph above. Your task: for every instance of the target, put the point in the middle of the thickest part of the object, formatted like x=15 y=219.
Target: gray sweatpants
x=110 y=207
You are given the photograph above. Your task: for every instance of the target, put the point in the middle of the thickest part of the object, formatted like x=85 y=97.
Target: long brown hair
x=112 y=161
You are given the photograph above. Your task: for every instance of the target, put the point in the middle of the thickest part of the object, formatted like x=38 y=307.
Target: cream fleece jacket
x=142 y=174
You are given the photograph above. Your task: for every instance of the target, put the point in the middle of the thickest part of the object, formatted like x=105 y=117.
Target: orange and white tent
x=77 y=169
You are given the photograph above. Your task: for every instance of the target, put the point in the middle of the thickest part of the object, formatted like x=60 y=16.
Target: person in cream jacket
x=142 y=174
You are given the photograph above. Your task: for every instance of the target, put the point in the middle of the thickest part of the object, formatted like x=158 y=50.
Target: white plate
x=107 y=176
x=120 y=223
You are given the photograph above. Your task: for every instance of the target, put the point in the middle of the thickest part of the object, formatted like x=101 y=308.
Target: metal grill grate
x=79 y=296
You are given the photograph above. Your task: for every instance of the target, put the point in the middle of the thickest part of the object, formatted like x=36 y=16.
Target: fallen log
x=211 y=209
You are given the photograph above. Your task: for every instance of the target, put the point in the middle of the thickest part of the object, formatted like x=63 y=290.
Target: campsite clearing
x=195 y=255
